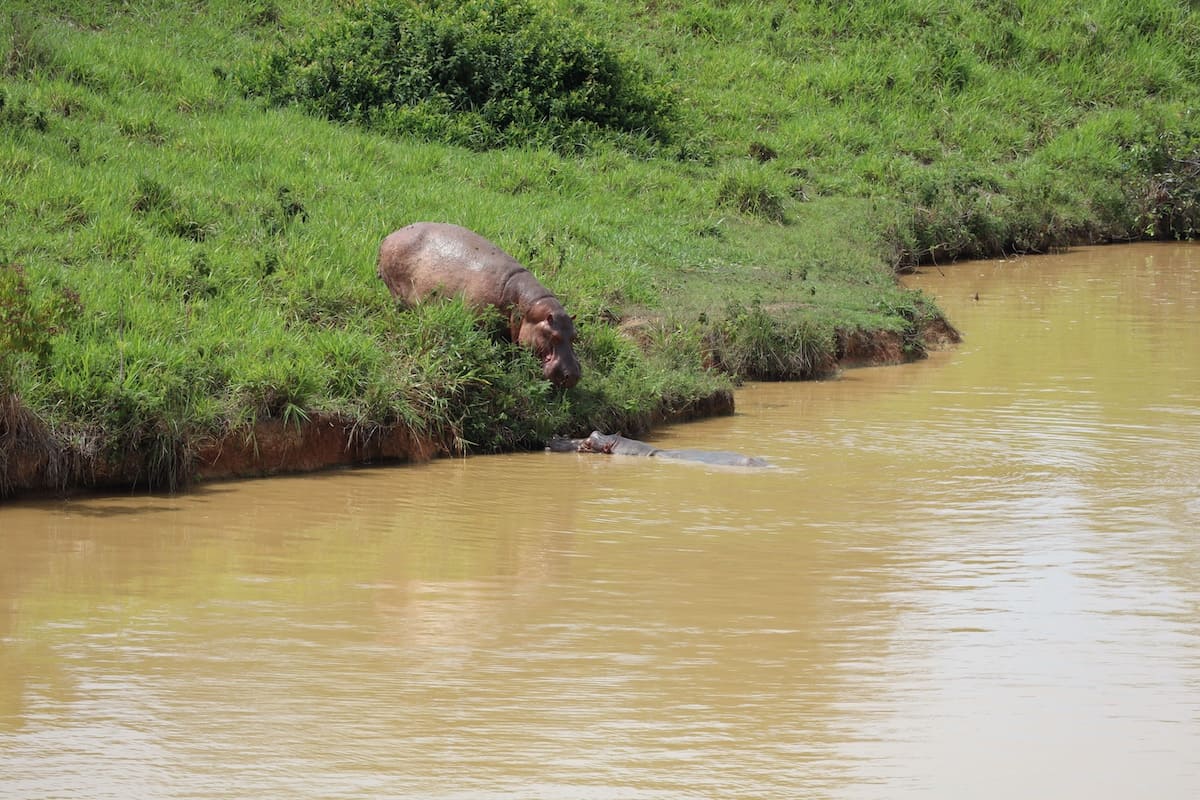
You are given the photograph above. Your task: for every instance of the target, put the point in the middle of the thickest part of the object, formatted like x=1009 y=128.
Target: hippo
x=616 y=444
x=434 y=259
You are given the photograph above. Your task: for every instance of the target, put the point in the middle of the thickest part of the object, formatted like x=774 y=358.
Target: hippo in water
x=616 y=444
x=434 y=259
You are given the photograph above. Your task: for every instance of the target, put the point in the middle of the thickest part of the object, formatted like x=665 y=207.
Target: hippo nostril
x=563 y=378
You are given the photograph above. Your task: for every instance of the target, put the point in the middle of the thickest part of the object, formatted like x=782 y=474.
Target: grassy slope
x=223 y=254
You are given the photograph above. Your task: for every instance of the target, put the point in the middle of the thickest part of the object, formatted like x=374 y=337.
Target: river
x=973 y=576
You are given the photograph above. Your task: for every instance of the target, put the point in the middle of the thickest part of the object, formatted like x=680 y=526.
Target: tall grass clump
x=481 y=394
x=751 y=190
x=642 y=383
x=756 y=344
x=480 y=74
x=29 y=322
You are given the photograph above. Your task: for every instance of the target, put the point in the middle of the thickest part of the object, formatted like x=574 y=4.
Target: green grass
x=179 y=259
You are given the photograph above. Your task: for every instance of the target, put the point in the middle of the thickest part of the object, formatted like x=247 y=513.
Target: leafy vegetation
x=480 y=74
x=734 y=182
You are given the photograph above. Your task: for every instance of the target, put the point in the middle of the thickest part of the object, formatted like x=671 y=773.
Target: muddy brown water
x=975 y=576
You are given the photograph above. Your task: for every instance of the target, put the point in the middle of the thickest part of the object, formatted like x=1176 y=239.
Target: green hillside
x=192 y=194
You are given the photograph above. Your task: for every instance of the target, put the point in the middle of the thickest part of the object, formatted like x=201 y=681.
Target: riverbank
x=188 y=250
x=34 y=463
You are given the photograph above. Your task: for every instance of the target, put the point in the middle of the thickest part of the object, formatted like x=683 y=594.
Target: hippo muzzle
x=550 y=332
x=561 y=368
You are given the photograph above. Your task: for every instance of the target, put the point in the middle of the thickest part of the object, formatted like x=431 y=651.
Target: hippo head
x=548 y=330
x=599 y=443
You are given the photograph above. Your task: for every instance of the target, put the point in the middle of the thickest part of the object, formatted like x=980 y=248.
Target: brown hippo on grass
x=434 y=259
x=617 y=444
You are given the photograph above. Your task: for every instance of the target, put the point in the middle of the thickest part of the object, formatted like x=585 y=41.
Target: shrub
x=1171 y=200
x=481 y=73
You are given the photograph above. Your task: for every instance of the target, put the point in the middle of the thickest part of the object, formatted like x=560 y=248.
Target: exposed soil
x=882 y=348
x=274 y=447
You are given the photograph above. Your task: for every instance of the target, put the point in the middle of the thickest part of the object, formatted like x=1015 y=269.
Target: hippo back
x=434 y=259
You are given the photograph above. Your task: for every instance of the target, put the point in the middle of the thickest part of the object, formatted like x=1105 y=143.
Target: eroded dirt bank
x=32 y=463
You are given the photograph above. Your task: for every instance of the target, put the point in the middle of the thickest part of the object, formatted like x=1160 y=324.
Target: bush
x=1171 y=199
x=481 y=74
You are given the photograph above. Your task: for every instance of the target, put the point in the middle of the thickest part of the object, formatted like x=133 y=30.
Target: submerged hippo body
x=433 y=259
x=615 y=444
